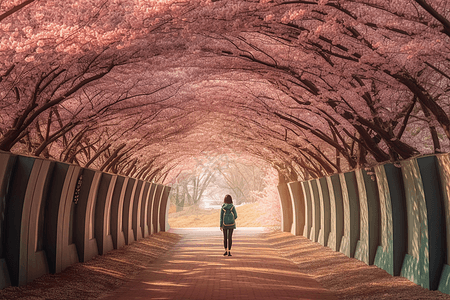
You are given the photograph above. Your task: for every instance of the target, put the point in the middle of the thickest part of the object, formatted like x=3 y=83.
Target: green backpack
x=228 y=217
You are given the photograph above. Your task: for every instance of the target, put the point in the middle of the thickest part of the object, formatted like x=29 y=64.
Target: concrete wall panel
x=163 y=208
x=84 y=235
x=444 y=172
x=53 y=215
x=137 y=205
x=155 y=213
x=33 y=229
x=151 y=199
x=286 y=208
x=393 y=231
x=308 y=210
x=18 y=197
x=325 y=212
x=127 y=216
x=426 y=255
x=298 y=205
x=429 y=171
x=350 y=200
x=59 y=246
x=103 y=213
x=167 y=225
x=7 y=161
x=116 y=218
x=4 y=274
x=336 y=212
x=144 y=209
x=413 y=264
x=369 y=216
x=25 y=256
x=315 y=205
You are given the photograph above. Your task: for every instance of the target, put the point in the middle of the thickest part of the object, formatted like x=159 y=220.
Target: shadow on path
x=195 y=268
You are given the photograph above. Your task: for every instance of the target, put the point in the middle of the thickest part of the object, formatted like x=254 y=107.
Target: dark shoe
x=225 y=253
x=229 y=254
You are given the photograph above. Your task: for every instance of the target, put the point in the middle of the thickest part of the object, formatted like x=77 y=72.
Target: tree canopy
x=313 y=87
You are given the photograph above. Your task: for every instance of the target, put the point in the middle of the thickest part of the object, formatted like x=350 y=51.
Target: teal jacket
x=228 y=218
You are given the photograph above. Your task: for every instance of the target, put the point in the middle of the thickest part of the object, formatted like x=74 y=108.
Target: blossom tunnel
x=103 y=103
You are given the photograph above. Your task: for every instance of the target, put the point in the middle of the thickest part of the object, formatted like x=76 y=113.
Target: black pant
x=227 y=233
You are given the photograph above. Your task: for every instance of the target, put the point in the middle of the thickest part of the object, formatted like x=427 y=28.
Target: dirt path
x=196 y=269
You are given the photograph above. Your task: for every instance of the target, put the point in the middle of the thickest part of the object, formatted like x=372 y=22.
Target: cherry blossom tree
x=311 y=87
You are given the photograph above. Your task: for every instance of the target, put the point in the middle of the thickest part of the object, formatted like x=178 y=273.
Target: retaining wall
x=54 y=214
x=396 y=217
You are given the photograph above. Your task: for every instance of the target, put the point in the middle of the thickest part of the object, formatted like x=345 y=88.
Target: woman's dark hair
x=227 y=199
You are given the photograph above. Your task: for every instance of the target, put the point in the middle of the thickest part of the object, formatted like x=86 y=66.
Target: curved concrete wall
x=369 y=217
x=325 y=217
x=444 y=174
x=298 y=207
x=144 y=208
x=336 y=212
x=396 y=217
x=286 y=208
x=7 y=161
x=393 y=229
x=24 y=252
x=137 y=206
x=163 y=208
x=155 y=206
x=127 y=213
x=315 y=210
x=103 y=213
x=54 y=214
x=350 y=200
x=151 y=196
x=85 y=215
x=308 y=209
x=426 y=226
x=118 y=197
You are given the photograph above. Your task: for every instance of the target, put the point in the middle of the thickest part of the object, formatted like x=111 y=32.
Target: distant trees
x=191 y=186
x=215 y=176
x=242 y=179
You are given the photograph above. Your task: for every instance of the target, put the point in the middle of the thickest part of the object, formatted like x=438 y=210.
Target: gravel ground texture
x=349 y=278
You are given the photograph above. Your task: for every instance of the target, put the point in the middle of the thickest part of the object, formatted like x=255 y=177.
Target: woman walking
x=227 y=224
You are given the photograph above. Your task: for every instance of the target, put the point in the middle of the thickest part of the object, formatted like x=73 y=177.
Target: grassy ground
x=249 y=215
